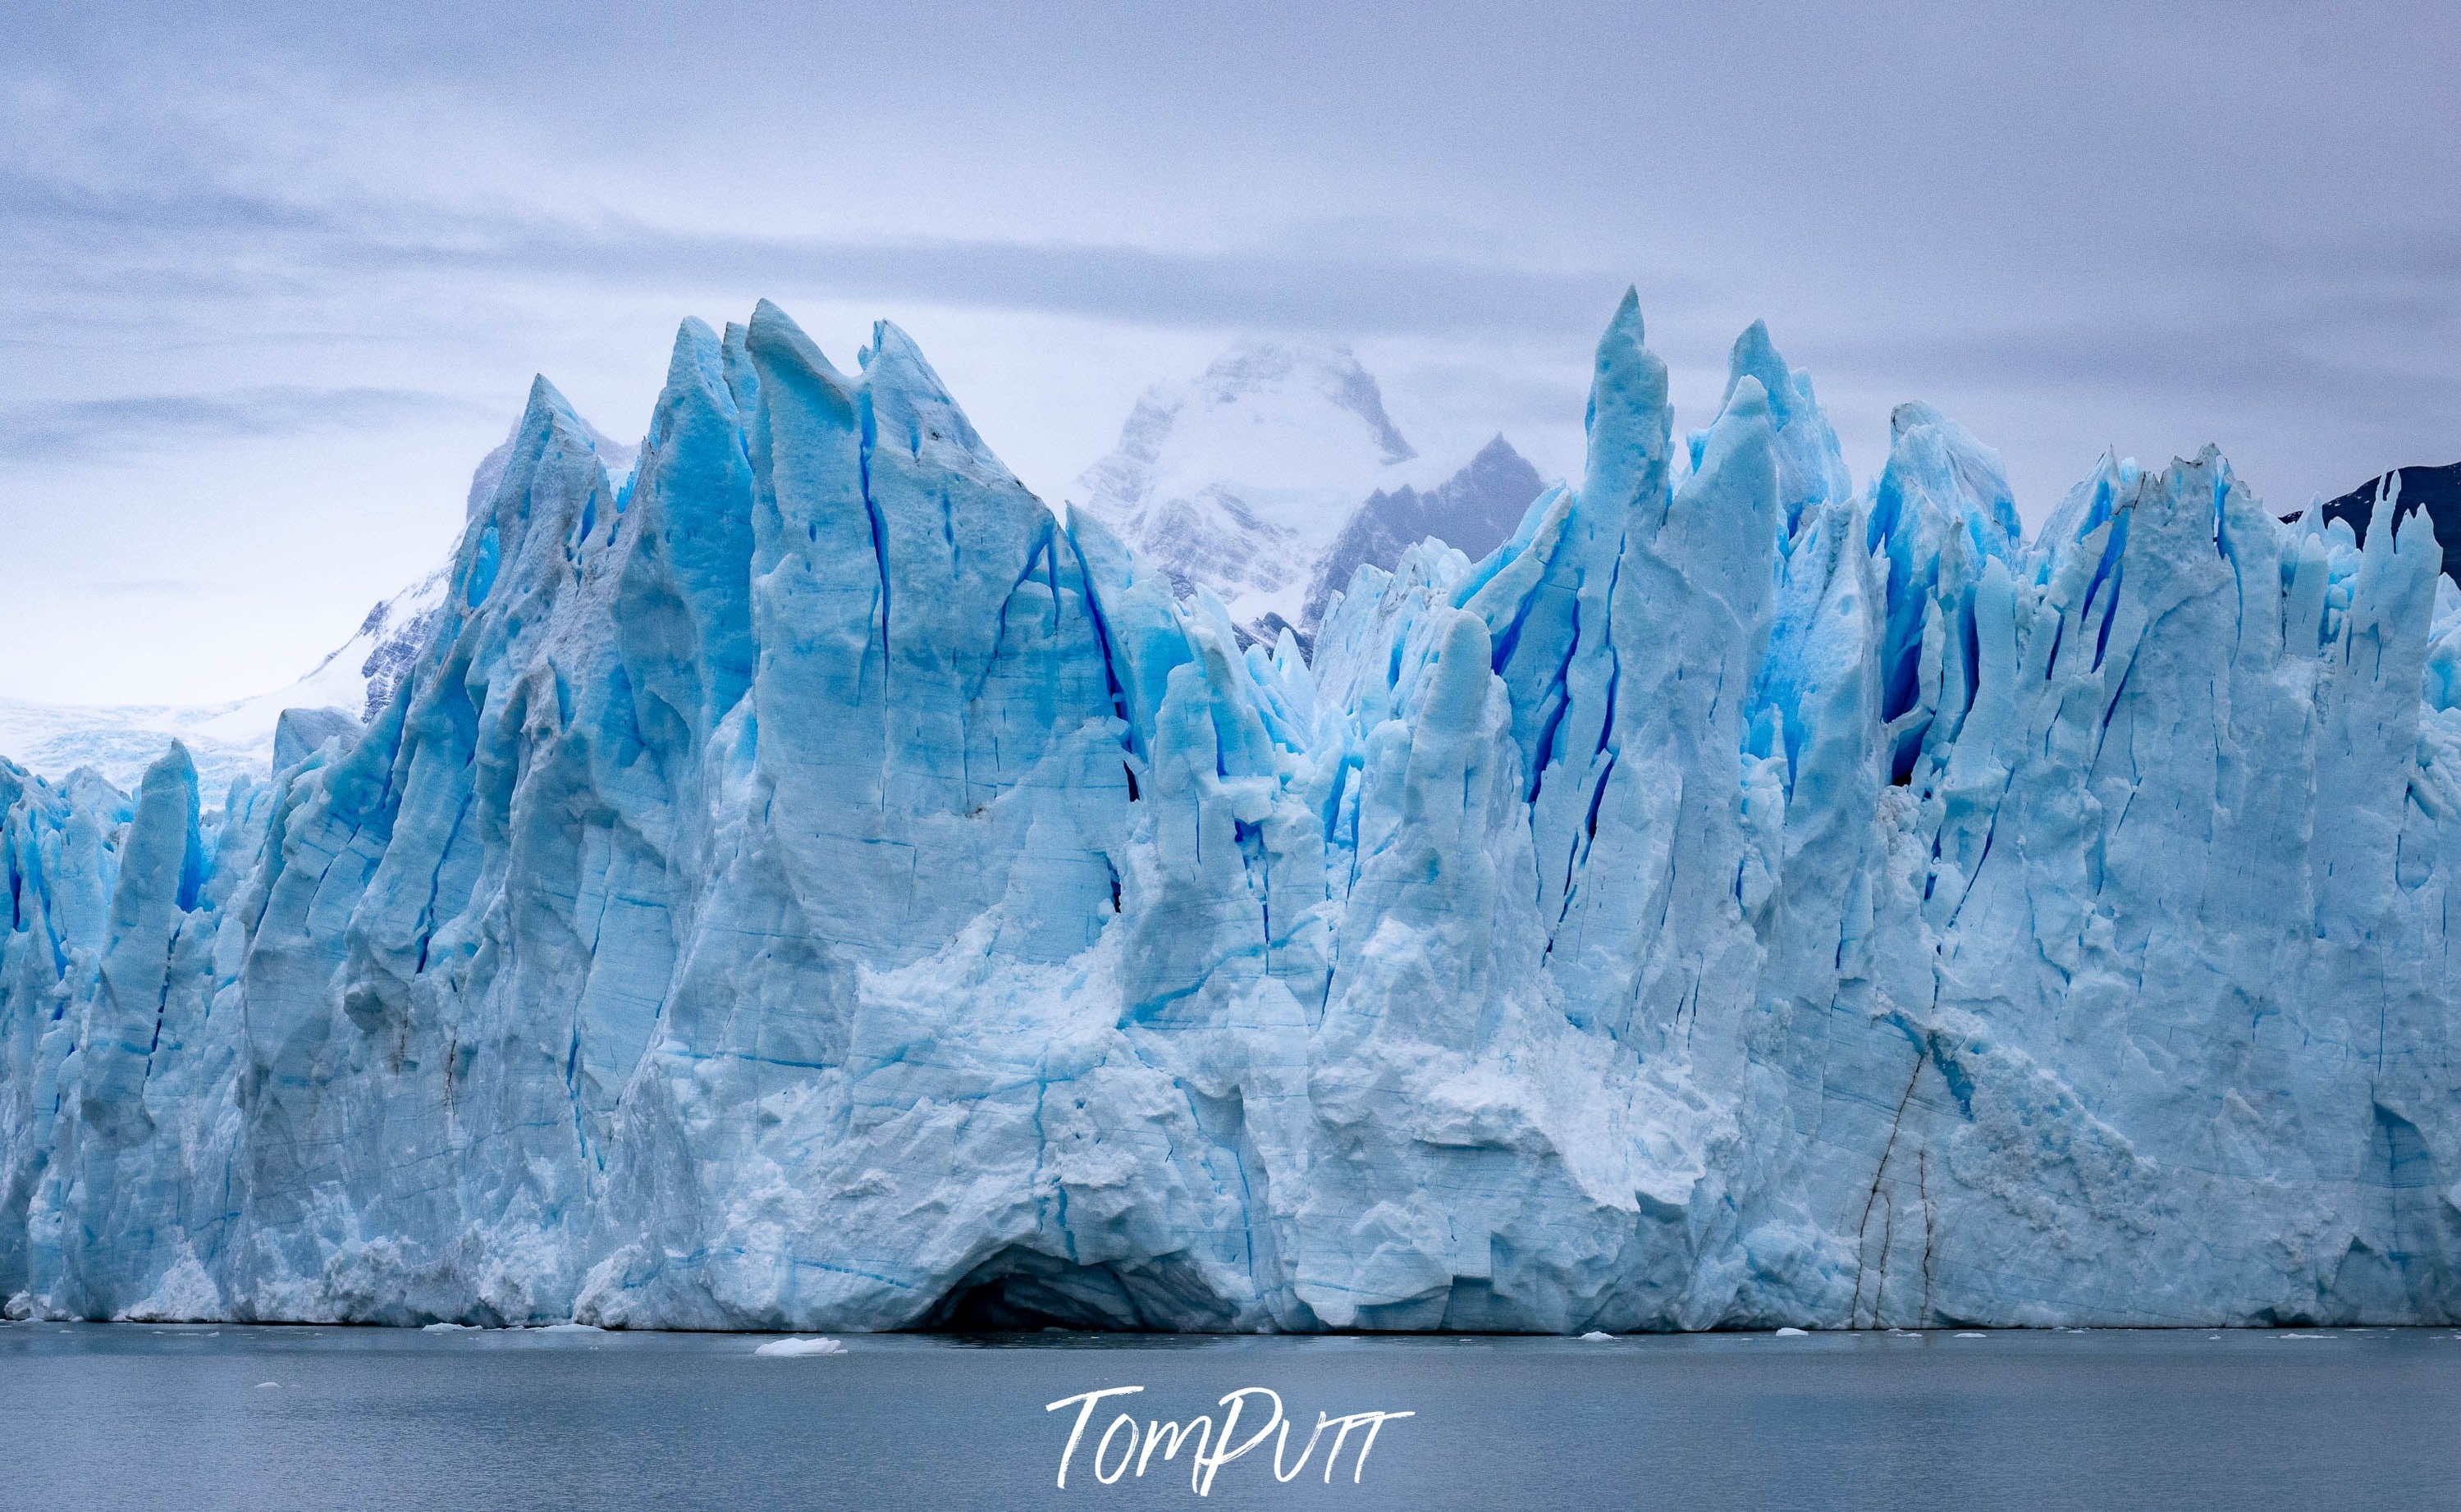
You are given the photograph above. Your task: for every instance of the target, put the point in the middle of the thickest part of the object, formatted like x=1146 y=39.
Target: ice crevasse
x=805 y=885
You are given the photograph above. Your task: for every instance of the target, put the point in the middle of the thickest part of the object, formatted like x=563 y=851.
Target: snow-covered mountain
x=1241 y=480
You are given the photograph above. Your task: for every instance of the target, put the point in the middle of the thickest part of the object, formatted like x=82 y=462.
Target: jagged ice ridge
x=806 y=885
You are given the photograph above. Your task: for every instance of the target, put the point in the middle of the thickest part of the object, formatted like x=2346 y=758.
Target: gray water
x=139 y=1416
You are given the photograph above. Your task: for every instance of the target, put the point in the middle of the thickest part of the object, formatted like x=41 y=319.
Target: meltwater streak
x=126 y=1417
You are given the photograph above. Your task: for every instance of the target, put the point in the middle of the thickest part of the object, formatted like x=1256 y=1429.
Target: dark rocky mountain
x=2437 y=490
x=1476 y=509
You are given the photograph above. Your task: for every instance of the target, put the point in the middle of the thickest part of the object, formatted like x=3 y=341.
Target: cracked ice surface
x=810 y=887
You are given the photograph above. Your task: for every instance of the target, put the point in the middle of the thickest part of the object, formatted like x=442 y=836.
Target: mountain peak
x=1256 y=365
x=1476 y=510
x=2436 y=490
x=1237 y=479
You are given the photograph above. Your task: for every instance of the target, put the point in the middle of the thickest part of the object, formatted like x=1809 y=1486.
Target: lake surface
x=141 y=1417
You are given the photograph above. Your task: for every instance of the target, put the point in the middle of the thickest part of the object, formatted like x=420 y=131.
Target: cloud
x=157 y=588
x=63 y=430
x=1256 y=289
x=2219 y=357
x=211 y=241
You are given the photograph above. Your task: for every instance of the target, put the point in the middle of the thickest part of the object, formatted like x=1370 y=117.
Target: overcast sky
x=276 y=276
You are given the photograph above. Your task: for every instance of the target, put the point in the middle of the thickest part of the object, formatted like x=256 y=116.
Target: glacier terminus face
x=800 y=883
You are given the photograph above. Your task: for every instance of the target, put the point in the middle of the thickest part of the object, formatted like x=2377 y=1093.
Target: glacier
x=801 y=883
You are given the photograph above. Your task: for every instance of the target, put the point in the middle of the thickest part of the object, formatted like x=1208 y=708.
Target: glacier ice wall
x=809 y=885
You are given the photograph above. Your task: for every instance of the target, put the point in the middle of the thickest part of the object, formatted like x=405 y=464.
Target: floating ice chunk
x=1973 y=1335
x=269 y=1386
x=1790 y=1334
x=1598 y=1337
x=450 y=1328
x=796 y=1347
x=570 y=1327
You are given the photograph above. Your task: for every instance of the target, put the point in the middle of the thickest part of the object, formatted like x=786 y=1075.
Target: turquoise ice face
x=811 y=887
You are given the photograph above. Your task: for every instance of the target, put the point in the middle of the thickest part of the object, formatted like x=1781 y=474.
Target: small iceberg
x=450 y=1328
x=1790 y=1333
x=787 y=1347
x=1596 y=1336
x=571 y=1328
